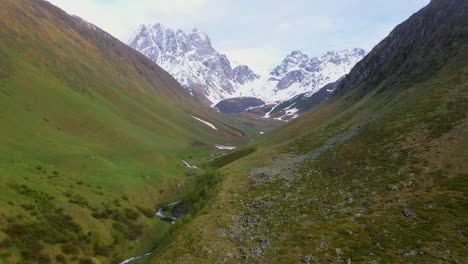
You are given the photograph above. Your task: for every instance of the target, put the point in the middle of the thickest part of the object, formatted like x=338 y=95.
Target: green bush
x=86 y=261
x=60 y=258
x=69 y=249
x=146 y=211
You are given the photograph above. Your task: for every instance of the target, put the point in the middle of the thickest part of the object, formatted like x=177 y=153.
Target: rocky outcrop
x=243 y=74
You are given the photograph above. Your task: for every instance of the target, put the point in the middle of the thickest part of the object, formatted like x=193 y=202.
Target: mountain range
x=191 y=59
x=209 y=76
x=298 y=74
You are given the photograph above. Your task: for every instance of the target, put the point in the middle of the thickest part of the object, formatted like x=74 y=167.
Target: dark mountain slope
x=375 y=174
x=303 y=102
x=414 y=50
x=238 y=104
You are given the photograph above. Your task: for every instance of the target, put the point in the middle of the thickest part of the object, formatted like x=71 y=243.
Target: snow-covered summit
x=208 y=75
x=298 y=73
x=193 y=61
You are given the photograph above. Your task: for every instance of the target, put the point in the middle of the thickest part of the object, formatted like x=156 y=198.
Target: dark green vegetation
x=376 y=174
x=92 y=135
x=230 y=157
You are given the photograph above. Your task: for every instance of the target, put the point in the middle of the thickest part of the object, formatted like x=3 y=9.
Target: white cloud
x=259 y=60
x=314 y=24
x=121 y=17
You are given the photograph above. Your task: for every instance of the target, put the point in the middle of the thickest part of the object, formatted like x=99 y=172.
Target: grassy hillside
x=92 y=136
x=376 y=174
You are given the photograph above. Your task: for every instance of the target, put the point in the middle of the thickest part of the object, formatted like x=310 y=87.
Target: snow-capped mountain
x=299 y=74
x=193 y=61
x=209 y=76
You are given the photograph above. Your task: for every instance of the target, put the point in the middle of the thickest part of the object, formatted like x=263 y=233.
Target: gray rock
x=393 y=187
x=306 y=259
x=408 y=254
x=408 y=213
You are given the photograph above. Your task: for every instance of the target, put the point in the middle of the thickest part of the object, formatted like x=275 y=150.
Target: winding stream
x=159 y=213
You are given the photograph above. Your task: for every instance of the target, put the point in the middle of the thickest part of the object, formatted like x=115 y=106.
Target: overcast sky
x=259 y=33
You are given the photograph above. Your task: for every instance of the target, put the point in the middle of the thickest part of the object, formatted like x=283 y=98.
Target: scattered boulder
x=408 y=213
x=306 y=259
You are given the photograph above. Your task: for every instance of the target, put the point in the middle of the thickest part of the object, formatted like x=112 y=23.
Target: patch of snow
x=290 y=112
x=205 y=122
x=225 y=147
x=189 y=165
x=267 y=115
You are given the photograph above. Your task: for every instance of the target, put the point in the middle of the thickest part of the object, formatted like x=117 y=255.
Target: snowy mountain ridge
x=208 y=75
x=299 y=74
x=193 y=61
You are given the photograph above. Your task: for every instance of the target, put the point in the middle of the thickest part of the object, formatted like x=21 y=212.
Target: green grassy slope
x=376 y=174
x=92 y=134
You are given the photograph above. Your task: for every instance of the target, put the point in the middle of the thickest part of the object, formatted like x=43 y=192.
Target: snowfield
x=225 y=147
x=205 y=122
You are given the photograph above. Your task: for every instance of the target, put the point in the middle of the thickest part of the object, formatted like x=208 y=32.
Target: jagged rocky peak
x=343 y=56
x=243 y=74
x=200 y=42
x=298 y=73
x=193 y=61
x=209 y=75
x=294 y=59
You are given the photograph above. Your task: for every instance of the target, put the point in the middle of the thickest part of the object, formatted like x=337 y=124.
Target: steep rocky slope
x=376 y=174
x=301 y=103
